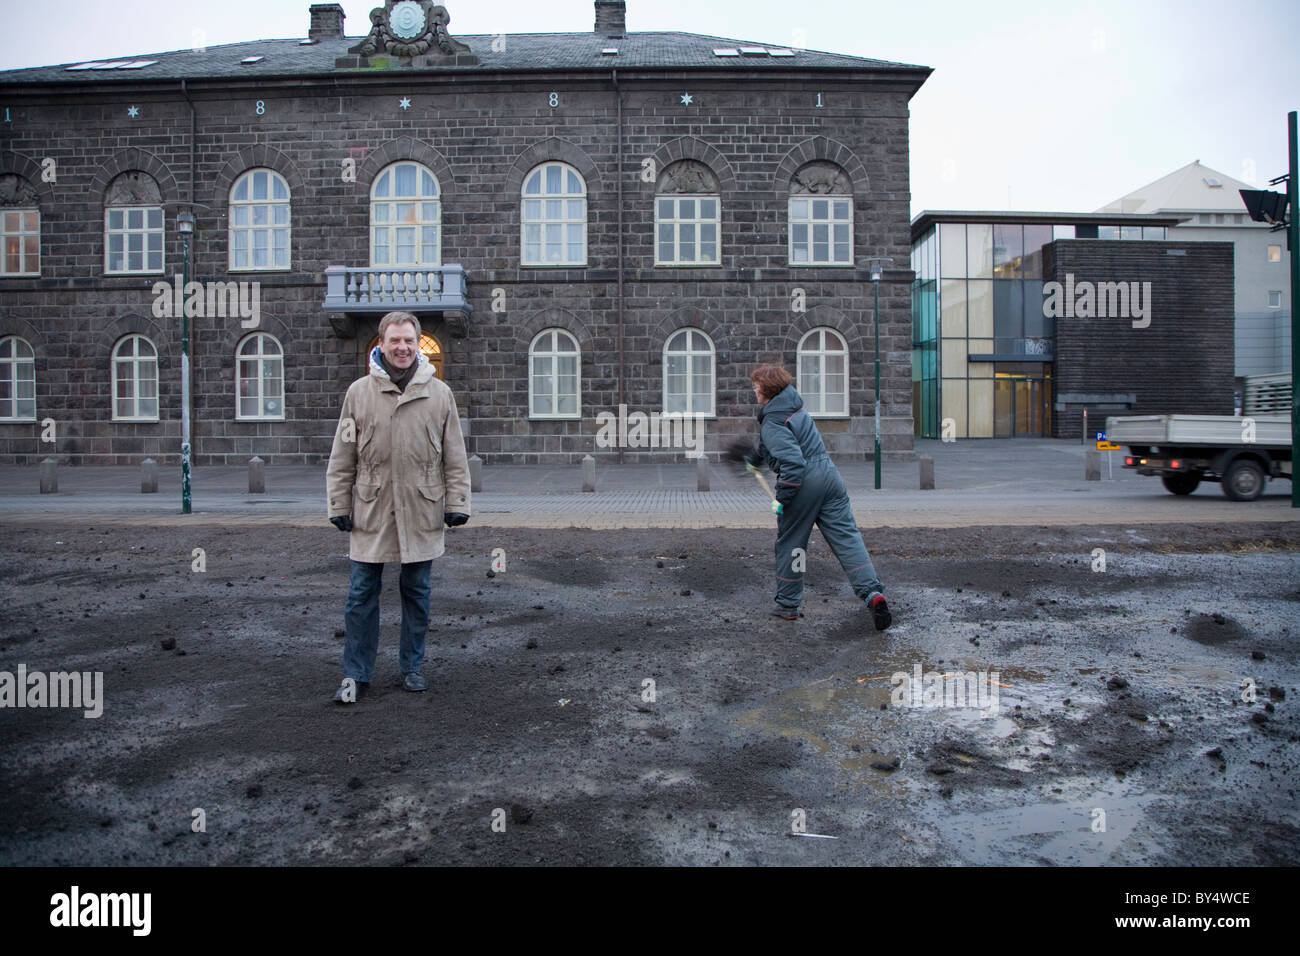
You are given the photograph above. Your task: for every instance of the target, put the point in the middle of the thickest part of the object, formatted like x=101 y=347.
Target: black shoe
x=785 y=613
x=359 y=688
x=880 y=612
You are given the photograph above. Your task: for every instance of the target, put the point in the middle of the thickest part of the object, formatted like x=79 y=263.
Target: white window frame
x=814 y=398
x=418 y=217
x=1271 y=294
x=545 y=346
x=698 y=222
x=260 y=357
x=13 y=228
x=1274 y=253
x=539 y=217
x=127 y=231
x=141 y=370
x=12 y=362
x=272 y=207
x=809 y=222
x=692 y=398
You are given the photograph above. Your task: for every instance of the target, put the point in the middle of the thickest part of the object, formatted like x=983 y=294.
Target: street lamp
x=877 y=266
x=185 y=225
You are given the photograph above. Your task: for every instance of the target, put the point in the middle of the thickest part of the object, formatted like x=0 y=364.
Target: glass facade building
x=982 y=350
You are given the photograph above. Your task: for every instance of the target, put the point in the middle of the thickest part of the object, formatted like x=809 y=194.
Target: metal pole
x=185 y=377
x=876 y=283
x=1293 y=241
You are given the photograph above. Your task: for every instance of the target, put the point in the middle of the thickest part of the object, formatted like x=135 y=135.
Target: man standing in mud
x=397 y=474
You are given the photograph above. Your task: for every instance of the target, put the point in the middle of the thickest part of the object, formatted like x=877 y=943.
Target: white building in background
x=1213 y=210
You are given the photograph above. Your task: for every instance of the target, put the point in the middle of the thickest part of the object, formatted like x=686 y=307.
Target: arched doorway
x=429 y=347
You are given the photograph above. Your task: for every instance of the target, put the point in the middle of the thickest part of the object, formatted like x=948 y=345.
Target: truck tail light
x=1129 y=460
x=1175 y=464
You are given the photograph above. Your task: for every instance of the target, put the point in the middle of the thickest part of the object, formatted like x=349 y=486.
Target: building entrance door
x=1022 y=402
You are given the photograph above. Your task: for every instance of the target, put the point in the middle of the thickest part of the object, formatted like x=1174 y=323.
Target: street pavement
x=978 y=482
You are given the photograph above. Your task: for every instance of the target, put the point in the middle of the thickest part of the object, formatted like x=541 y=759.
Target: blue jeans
x=361 y=619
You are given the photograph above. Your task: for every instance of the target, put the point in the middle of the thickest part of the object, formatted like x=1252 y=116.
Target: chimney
x=326 y=21
x=611 y=17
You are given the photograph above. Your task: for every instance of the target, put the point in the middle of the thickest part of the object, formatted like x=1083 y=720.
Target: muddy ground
x=1122 y=732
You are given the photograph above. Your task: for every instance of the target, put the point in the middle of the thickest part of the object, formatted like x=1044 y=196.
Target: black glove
x=455 y=519
x=342 y=522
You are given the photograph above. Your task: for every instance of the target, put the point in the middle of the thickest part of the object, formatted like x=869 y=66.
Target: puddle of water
x=1077 y=833
x=862 y=764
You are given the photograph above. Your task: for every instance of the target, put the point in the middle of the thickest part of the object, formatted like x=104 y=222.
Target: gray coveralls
x=811 y=490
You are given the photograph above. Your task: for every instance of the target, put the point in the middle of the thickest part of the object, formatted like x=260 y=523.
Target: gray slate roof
x=524 y=52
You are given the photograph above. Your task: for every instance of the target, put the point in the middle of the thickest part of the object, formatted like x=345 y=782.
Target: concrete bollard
x=927 y=472
x=702 y=473
x=49 y=476
x=256 y=476
x=475 y=473
x=588 y=473
x=148 y=477
x=1092 y=465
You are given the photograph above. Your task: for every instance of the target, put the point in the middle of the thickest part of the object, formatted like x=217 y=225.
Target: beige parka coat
x=398 y=465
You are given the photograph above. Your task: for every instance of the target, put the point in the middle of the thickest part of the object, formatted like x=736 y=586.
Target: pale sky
x=1041 y=105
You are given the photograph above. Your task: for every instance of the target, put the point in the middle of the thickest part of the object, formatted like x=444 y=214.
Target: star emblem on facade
x=404 y=103
x=687 y=99
x=133 y=112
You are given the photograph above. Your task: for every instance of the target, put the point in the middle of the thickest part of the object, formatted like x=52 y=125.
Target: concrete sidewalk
x=1008 y=481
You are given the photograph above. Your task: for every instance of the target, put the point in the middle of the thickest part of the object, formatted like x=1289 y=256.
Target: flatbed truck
x=1241 y=453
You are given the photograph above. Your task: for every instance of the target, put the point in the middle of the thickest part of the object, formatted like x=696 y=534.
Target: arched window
x=821 y=216
x=688 y=373
x=687 y=216
x=133 y=225
x=135 y=380
x=17 y=380
x=405 y=217
x=824 y=373
x=259 y=378
x=554 y=217
x=259 y=221
x=20 y=228
x=553 y=387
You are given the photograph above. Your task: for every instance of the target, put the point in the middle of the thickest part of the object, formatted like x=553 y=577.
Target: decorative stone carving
x=821 y=178
x=16 y=191
x=408 y=28
x=688 y=176
x=134 y=188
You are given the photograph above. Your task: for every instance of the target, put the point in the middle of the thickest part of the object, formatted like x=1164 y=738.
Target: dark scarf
x=400 y=379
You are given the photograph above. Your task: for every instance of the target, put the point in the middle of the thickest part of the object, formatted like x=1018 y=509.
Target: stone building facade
x=581 y=221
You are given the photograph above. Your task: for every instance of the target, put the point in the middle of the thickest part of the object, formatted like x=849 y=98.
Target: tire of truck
x=1181 y=484
x=1244 y=480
